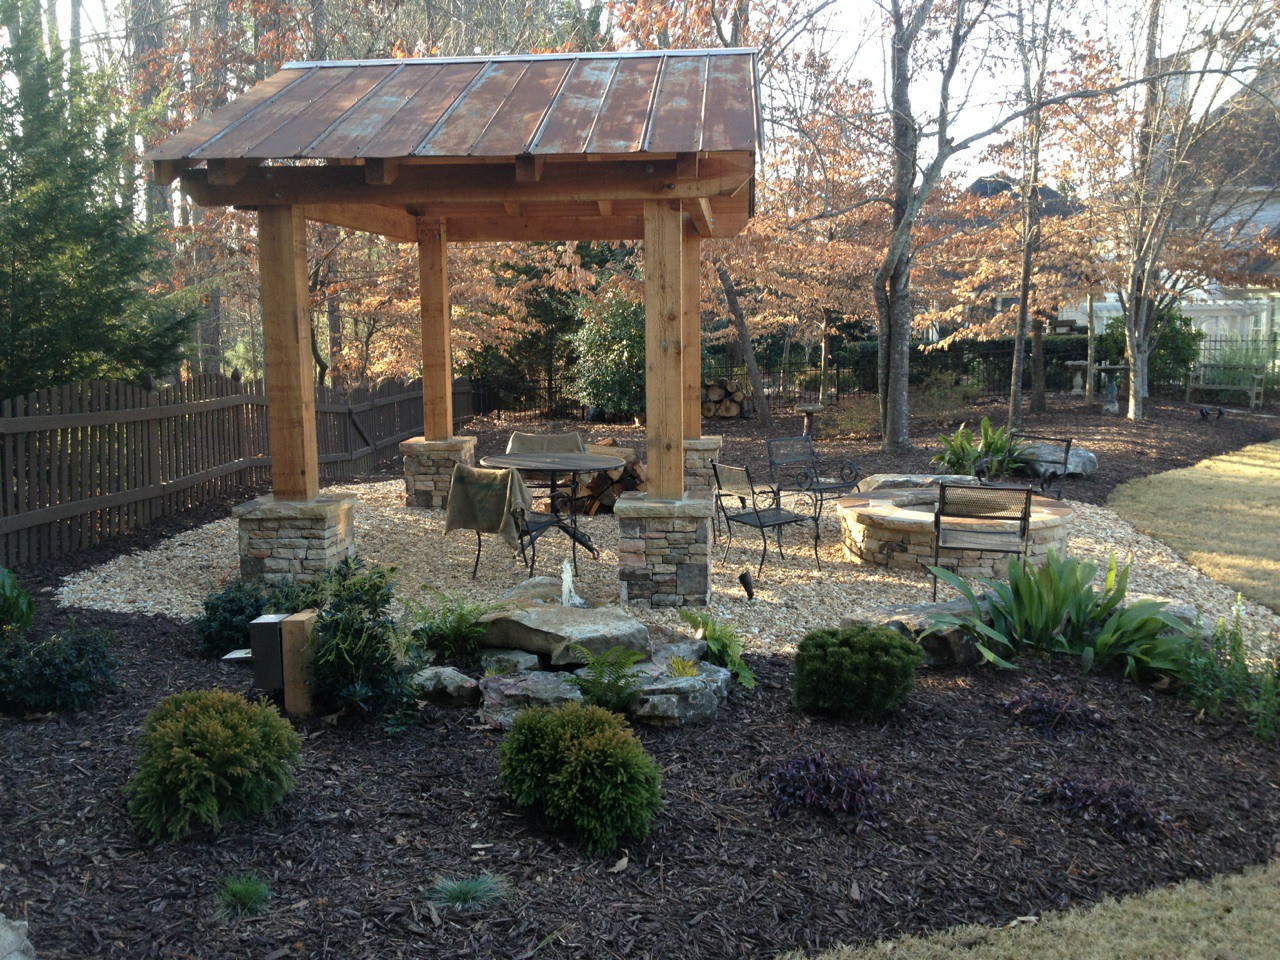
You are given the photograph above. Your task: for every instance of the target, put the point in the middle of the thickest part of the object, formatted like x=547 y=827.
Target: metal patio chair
x=496 y=501
x=991 y=519
x=758 y=506
x=1053 y=465
x=794 y=467
x=570 y=442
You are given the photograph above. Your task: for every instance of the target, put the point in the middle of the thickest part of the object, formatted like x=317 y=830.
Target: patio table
x=554 y=465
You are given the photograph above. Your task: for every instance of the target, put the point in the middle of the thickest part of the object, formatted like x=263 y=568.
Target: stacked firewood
x=726 y=397
x=598 y=493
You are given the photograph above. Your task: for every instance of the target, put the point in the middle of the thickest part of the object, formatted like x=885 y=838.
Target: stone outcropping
x=446 y=685
x=553 y=631
x=1080 y=461
x=506 y=694
x=14 y=944
x=671 y=701
x=950 y=647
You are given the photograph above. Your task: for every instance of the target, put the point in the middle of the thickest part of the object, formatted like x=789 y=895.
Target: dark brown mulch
x=376 y=818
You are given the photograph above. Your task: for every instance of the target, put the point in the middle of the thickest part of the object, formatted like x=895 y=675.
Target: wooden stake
x=691 y=332
x=286 y=319
x=437 y=357
x=295 y=653
x=663 y=319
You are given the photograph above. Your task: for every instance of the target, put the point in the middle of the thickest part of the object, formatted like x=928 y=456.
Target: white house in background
x=1242 y=312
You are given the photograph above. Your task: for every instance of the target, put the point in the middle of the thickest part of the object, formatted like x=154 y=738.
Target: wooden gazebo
x=656 y=145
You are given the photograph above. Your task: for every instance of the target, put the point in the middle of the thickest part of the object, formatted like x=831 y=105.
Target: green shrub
x=357 y=649
x=724 y=645
x=609 y=373
x=1056 y=608
x=609 y=679
x=1217 y=677
x=68 y=671
x=245 y=895
x=1174 y=350
x=16 y=611
x=584 y=771
x=864 y=671
x=228 y=611
x=209 y=757
x=449 y=626
x=961 y=452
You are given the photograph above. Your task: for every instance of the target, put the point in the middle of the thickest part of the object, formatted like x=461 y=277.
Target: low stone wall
x=894 y=528
x=699 y=454
x=287 y=539
x=664 y=551
x=428 y=468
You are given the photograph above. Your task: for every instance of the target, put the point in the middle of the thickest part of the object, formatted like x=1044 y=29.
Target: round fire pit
x=894 y=528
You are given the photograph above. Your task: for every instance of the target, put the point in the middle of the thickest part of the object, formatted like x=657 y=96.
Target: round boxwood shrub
x=864 y=671
x=208 y=757
x=228 y=611
x=584 y=770
x=68 y=671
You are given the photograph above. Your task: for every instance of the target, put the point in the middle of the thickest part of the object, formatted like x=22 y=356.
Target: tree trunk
x=824 y=366
x=893 y=303
x=748 y=352
x=1089 y=356
x=1039 y=402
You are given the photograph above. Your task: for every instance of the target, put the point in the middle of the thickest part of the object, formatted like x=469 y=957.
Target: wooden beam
x=164 y=172
x=704 y=220
x=691 y=330
x=606 y=207
x=296 y=662
x=437 y=355
x=286 y=320
x=379 y=171
x=227 y=173
x=498 y=228
x=512 y=208
x=369 y=217
x=686 y=165
x=474 y=183
x=529 y=168
x=664 y=406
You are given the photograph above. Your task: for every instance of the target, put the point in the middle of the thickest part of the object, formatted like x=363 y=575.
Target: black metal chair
x=1051 y=462
x=795 y=467
x=496 y=501
x=760 y=507
x=991 y=519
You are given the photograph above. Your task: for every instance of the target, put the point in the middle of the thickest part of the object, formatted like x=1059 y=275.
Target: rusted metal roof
x=605 y=104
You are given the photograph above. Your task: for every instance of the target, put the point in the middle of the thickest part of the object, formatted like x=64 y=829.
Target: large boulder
x=552 y=631
x=533 y=590
x=14 y=944
x=948 y=647
x=445 y=685
x=665 y=700
x=505 y=695
x=1080 y=461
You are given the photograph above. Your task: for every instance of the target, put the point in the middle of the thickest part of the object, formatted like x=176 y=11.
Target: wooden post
x=286 y=321
x=437 y=357
x=295 y=660
x=663 y=319
x=691 y=316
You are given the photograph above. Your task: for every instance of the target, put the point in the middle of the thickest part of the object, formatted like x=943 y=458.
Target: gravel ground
x=792 y=598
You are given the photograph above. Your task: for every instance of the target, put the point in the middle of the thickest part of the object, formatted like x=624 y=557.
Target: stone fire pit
x=893 y=527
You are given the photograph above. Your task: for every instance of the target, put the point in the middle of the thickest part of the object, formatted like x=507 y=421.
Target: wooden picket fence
x=89 y=461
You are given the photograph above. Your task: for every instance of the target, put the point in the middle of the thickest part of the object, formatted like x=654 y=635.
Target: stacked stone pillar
x=428 y=468
x=664 y=551
x=295 y=539
x=699 y=454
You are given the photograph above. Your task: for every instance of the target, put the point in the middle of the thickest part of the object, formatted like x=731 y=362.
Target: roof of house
x=561 y=105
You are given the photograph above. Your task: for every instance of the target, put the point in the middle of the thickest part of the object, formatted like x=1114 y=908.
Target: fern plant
x=724 y=644
x=608 y=680
x=450 y=626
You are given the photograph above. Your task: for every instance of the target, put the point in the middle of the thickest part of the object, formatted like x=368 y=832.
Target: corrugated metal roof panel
x=549 y=105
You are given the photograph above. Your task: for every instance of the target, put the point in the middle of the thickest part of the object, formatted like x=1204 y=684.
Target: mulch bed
x=377 y=817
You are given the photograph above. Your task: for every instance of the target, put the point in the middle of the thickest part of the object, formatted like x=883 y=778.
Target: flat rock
x=505 y=660
x=949 y=647
x=552 y=630
x=446 y=685
x=14 y=944
x=505 y=695
x=910 y=481
x=1080 y=461
x=689 y=648
x=533 y=590
x=665 y=700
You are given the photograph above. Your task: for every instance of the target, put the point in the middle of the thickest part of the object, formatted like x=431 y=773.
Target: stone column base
x=699 y=481
x=664 y=551
x=428 y=468
x=295 y=539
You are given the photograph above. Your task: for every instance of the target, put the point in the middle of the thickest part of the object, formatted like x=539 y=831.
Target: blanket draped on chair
x=487 y=501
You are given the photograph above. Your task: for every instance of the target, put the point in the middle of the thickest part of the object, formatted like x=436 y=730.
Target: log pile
x=726 y=397
x=598 y=493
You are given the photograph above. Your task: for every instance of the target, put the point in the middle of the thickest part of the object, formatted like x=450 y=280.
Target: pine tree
x=77 y=269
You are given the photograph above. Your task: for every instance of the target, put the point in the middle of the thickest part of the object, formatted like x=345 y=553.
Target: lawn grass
x=1223 y=515
x=1230 y=917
